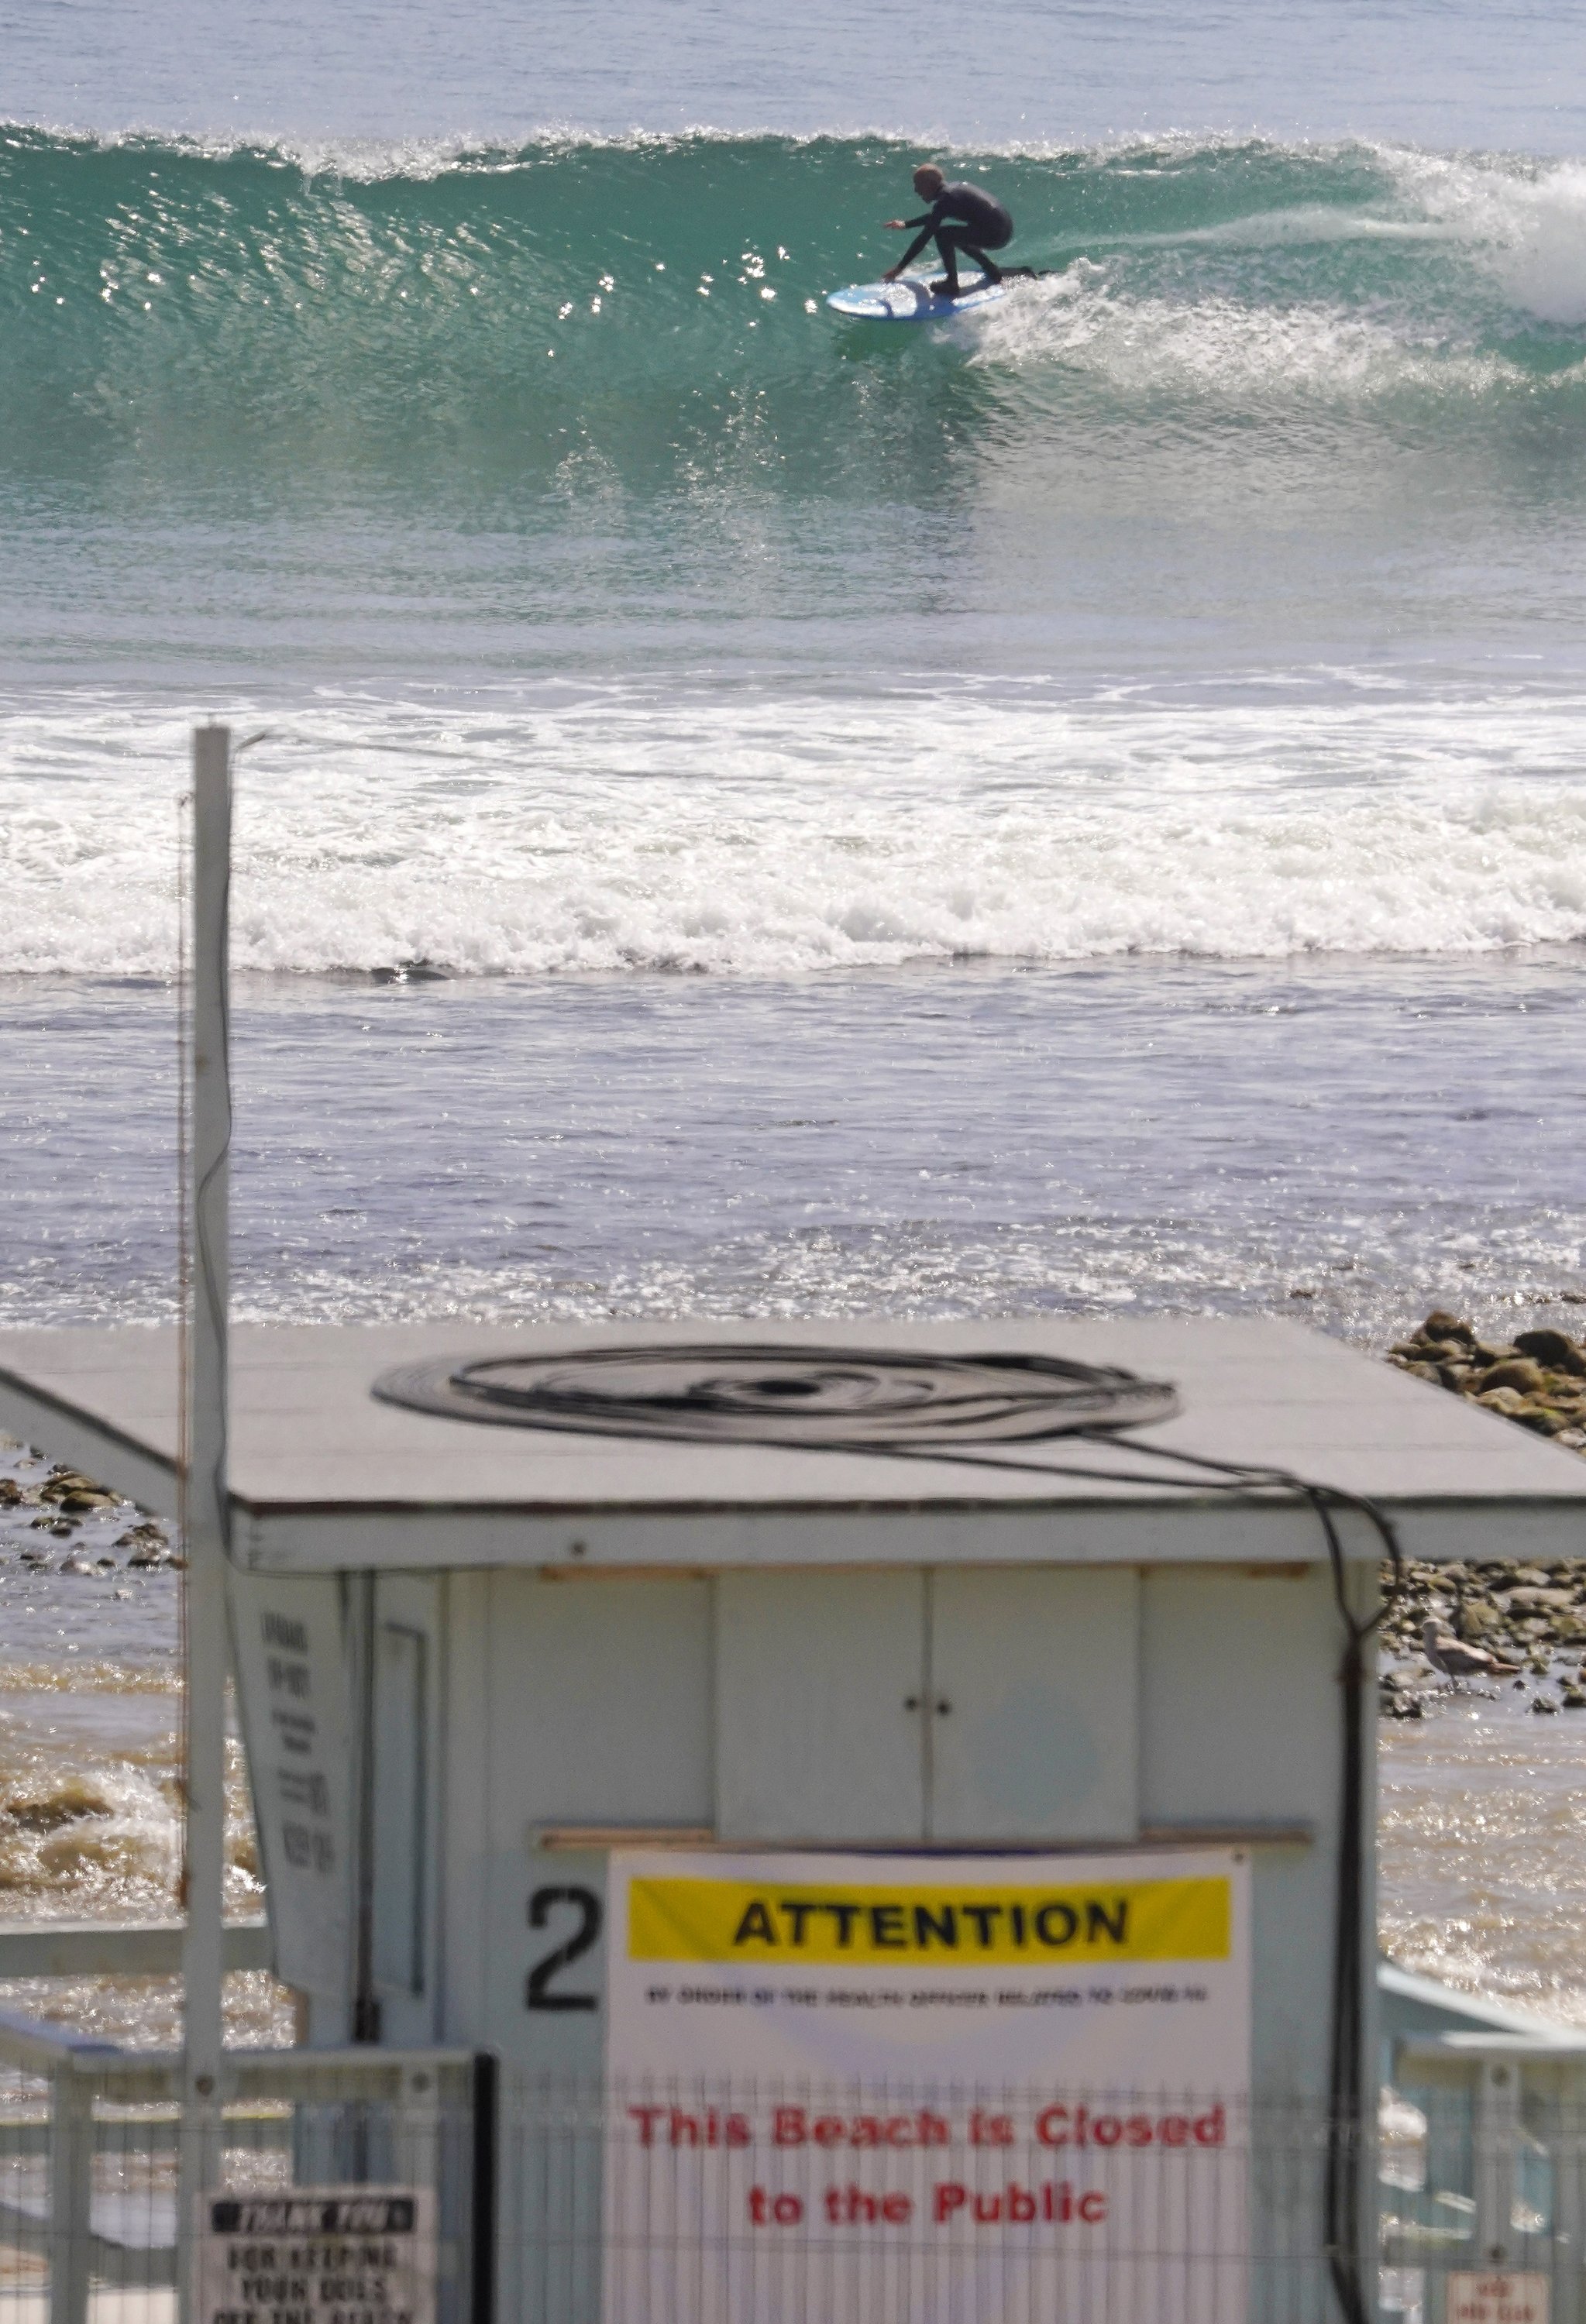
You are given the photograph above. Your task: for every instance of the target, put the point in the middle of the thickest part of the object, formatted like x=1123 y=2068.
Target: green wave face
x=648 y=315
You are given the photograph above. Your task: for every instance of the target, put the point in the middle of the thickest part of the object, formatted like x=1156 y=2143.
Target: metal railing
x=91 y=2145
x=121 y=1948
x=563 y=2201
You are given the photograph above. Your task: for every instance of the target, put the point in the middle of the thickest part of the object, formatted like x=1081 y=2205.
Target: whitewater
x=628 y=825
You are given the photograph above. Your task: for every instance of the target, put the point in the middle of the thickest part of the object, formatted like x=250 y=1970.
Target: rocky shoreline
x=43 y=1504
x=1529 y=1621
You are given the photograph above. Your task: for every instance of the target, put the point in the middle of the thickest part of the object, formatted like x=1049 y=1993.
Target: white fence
x=593 y=2203
x=90 y=2140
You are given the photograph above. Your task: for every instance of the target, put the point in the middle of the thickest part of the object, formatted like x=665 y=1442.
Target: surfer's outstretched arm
x=927 y=225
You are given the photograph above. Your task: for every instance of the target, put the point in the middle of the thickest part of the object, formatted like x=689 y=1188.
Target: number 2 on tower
x=541 y=1904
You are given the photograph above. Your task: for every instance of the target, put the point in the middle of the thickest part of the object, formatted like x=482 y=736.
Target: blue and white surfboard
x=911 y=299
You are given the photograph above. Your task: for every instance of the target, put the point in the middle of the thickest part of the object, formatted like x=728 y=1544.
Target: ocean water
x=935 y=1139
x=1479 y=1835
x=1079 y=806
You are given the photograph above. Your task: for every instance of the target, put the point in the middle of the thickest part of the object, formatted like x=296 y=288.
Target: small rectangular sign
x=320 y=2254
x=1496 y=2300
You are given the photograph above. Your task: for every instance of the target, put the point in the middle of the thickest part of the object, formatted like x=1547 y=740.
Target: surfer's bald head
x=928 y=181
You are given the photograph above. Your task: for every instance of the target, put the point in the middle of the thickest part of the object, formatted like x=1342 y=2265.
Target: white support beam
x=121 y=1948
x=208 y=1500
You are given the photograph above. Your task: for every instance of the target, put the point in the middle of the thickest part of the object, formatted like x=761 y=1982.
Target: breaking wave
x=630 y=309
x=81 y=1828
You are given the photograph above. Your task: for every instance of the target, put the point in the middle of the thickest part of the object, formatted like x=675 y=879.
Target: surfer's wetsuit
x=962 y=218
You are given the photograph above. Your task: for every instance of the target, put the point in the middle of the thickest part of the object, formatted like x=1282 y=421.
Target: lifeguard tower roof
x=326 y=1474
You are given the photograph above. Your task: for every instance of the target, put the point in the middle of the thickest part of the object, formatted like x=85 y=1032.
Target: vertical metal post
x=482 y=2226
x=72 y=2166
x=366 y=2000
x=1569 y=2214
x=1497 y=2139
x=206 y=1495
x=417 y=2123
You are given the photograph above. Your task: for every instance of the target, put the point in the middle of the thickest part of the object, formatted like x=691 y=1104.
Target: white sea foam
x=1523 y=223
x=1231 y=350
x=375 y=157
x=1305 y=225
x=759 y=834
x=1215 y=345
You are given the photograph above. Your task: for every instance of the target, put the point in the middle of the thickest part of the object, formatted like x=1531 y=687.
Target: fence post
x=71 y=2185
x=1496 y=2143
x=416 y=2122
x=1569 y=2210
x=485 y=2094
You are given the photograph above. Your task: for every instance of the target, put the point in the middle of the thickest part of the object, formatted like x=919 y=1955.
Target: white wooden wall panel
x=466 y=1874
x=1241 y=1724
x=1040 y=1672
x=1229 y=1654
x=814 y=1674
x=601 y=1702
x=295 y=1695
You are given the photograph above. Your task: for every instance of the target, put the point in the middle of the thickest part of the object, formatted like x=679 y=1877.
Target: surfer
x=961 y=218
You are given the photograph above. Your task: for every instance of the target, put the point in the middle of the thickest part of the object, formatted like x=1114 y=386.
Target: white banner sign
x=294 y=1698
x=316 y=2255
x=938 y=2088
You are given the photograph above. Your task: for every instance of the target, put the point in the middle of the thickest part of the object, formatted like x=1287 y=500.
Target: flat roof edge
x=675 y=1538
x=1068 y=1505
x=37 y=1416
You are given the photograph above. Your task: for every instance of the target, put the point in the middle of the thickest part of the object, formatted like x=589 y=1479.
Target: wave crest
x=375 y=301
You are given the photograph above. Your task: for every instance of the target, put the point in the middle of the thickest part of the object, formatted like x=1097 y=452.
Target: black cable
x=836 y=1399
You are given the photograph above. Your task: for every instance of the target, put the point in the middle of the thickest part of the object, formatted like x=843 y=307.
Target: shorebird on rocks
x=1454 y=1660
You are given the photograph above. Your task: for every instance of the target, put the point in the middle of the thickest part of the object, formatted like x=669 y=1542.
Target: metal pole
x=71 y=2187
x=1497 y=2140
x=207 y=1497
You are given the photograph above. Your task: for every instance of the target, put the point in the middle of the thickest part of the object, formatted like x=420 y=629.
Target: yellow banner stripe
x=785 y=1924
